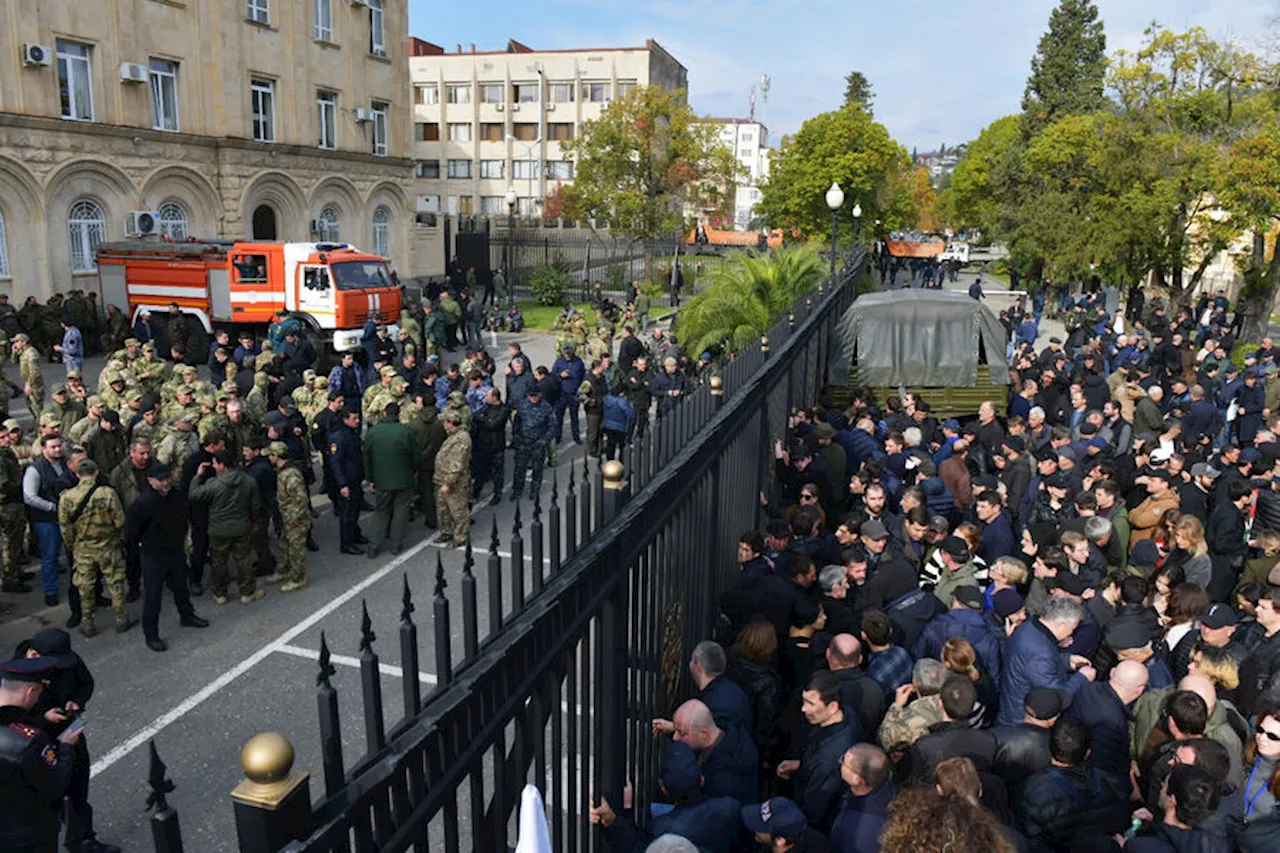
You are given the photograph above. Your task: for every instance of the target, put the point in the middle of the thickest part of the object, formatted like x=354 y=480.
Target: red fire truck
x=332 y=288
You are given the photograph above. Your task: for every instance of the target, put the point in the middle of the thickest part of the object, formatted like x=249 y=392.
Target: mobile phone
x=77 y=723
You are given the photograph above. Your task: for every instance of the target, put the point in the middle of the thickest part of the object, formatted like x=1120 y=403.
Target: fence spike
x=516 y=525
x=555 y=487
x=467 y=560
x=367 y=637
x=327 y=669
x=493 y=537
x=406 y=600
x=160 y=784
x=441 y=583
x=572 y=490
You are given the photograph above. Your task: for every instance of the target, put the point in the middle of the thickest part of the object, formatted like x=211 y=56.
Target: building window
x=260 y=11
x=427 y=131
x=382 y=232
x=493 y=168
x=745 y=153
x=527 y=206
x=525 y=132
x=428 y=169
x=625 y=87
x=460 y=168
x=264 y=109
x=595 y=93
x=86 y=229
x=458 y=94
x=561 y=93
x=490 y=93
x=560 y=170
x=379 y=128
x=560 y=131
x=460 y=132
x=491 y=131
x=4 y=251
x=327 y=116
x=525 y=93
x=491 y=204
x=426 y=96
x=748 y=137
x=524 y=170
x=461 y=204
x=74 y=86
x=164 y=94
x=173 y=220
x=324 y=20
x=377 y=40
x=329 y=225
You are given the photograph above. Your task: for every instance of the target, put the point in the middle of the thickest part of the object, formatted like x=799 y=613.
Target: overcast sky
x=941 y=71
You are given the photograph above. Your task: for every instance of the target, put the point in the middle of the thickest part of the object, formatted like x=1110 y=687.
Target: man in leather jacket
x=35 y=769
x=1022 y=750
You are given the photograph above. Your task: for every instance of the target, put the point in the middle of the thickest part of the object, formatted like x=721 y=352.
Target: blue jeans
x=49 y=536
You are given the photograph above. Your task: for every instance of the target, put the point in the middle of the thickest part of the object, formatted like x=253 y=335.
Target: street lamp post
x=511 y=228
x=857 y=221
x=835 y=200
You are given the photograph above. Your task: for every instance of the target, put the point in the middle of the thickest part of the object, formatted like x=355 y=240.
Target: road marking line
x=354 y=663
x=214 y=687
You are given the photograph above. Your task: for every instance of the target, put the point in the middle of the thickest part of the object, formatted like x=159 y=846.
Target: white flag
x=533 y=837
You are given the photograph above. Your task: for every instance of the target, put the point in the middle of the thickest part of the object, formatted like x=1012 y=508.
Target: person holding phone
x=61 y=708
x=36 y=771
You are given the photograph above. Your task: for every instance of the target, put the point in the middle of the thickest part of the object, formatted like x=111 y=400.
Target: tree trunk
x=1257 y=306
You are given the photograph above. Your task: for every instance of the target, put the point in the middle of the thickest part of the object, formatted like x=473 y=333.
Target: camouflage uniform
x=29 y=372
x=68 y=413
x=263 y=358
x=295 y=511
x=904 y=726
x=256 y=400
x=457 y=406
x=453 y=469
x=149 y=370
x=94 y=542
x=13 y=516
x=153 y=433
x=178 y=443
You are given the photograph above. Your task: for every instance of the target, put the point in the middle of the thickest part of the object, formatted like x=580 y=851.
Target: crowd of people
x=1053 y=629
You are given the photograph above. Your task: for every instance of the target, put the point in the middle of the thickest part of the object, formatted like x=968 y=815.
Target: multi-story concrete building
x=486 y=122
x=271 y=119
x=748 y=139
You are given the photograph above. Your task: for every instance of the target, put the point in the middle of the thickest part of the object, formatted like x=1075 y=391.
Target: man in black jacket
x=818 y=788
x=1225 y=534
x=1260 y=673
x=213 y=443
x=490 y=428
x=859 y=692
x=952 y=737
x=1023 y=750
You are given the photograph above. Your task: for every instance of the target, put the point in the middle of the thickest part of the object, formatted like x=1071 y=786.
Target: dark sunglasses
x=1271 y=736
x=808 y=497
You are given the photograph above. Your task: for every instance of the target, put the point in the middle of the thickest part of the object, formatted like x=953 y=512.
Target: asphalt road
x=253 y=670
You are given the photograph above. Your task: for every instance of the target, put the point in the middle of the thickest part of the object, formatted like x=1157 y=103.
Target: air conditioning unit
x=551 y=108
x=364 y=114
x=142 y=223
x=36 y=54
x=500 y=107
x=132 y=72
x=515 y=108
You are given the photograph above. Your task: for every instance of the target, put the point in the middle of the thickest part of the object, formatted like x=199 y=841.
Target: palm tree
x=746 y=295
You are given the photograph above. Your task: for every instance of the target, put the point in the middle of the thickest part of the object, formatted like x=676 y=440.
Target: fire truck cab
x=332 y=288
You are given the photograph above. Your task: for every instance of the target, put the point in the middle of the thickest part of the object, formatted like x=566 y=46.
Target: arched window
x=173 y=220
x=329 y=228
x=382 y=232
x=4 y=249
x=86 y=229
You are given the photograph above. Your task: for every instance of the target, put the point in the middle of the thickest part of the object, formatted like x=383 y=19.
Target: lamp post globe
x=857 y=219
x=835 y=197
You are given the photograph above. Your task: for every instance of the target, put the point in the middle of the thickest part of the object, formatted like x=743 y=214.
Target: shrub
x=549 y=285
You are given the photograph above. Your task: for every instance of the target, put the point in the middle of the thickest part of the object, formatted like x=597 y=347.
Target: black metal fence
x=624 y=572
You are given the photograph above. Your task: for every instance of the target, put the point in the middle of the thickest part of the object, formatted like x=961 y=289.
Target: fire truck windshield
x=360 y=275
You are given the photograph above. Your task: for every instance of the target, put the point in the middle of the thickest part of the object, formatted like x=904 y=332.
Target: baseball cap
x=277 y=448
x=1015 y=443
x=680 y=772
x=287 y=403
x=1127 y=635
x=951 y=424
x=1066 y=453
x=1045 y=703
x=1069 y=583
x=955 y=547
x=159 y=470
x=778 y=817
x=1250 y=454
x=969 y=596
x=1058 y=481
x=824 y=430
x=874 y=529
x=1161 y=454
x=59 y=388
x=1007 y=602
x=1218 y=615
x=1204 y=469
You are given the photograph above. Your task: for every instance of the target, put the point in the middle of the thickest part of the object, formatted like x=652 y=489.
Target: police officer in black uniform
x=324 y=423
x=347 y=460
x=35 y=769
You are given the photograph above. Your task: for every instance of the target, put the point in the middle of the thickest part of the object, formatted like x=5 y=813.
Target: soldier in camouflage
x=105 y=442
x=91 y=518
x=295 y=511
x=66 y=410
x=453 y=482
x=457 y=404
x=29 y=372
x=377 y=396
x=91 y=419
x=13 y=516
x=180 y=442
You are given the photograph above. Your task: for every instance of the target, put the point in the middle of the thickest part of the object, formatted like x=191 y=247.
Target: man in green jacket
x=391 y=452
x=234 y=501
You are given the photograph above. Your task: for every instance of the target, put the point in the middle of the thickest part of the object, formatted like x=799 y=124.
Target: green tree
x=746 y=296
x=858 y=91
x=974 y=194
x=846 y=146
x=643 y=162
x=1251 y=190
x=1069 y=68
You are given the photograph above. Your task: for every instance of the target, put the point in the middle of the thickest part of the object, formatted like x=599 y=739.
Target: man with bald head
x=1150 y=729
x=728 y=756
x=861 y=693
x=1106 y=709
